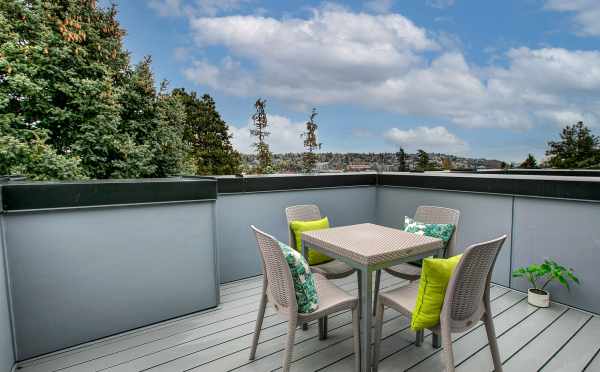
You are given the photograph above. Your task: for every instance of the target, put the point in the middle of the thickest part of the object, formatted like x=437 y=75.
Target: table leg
x=365 y=320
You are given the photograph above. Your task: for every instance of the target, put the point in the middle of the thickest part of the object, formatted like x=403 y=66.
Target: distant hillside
x=386 y=161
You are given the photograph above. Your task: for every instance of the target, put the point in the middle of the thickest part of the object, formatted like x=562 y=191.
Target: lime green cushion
x=435 y=275
x=298 y=227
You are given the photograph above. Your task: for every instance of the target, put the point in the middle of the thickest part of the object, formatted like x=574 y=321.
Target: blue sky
x=476 y=78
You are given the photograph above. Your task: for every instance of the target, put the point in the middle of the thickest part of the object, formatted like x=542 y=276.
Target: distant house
x=358 y=167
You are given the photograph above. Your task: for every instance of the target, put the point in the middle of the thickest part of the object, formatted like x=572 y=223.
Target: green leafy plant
x=545 y=273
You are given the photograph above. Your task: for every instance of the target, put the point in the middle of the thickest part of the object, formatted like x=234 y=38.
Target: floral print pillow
x=304 y=281
x=435 y=230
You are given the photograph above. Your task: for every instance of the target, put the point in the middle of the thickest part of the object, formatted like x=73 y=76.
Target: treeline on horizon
x=73 y=106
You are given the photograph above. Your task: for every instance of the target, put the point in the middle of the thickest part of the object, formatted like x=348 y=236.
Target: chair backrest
x=430 y=214
x=308 y=212
x=280 y=286
x=467 y=295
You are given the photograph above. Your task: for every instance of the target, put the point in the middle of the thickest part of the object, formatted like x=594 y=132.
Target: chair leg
x=289 y=344
x=447 y=354
x=435 y=340
x=419 y=337
x=259 y=320
x=491 y=334
x=356 y=334
x=359 y=282
x=322 y=328
x=376 y=292
x=378 y=331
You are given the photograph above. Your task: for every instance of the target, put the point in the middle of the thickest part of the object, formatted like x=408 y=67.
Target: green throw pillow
x=298 y=227
x=432 y=288
x=435 y=230
x=304 y=281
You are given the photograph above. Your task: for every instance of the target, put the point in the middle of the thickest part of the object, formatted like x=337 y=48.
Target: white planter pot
x=538 y=297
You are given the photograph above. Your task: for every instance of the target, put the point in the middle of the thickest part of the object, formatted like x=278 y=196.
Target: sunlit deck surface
x=555 y=339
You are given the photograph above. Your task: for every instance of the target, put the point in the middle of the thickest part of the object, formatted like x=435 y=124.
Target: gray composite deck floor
x=530 y=339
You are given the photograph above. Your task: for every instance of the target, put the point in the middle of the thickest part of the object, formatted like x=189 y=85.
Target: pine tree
x=529 y=162
x=423 y=160
x=309 y=158
x=259 y=131
x=577 y=148
x=23 y=143
x=73 y=94
x=401 y=159
x=208 y=135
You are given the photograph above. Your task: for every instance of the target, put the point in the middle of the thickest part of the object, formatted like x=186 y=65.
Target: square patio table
x=368 y=247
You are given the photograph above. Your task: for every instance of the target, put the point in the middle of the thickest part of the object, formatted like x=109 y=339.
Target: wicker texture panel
x=279 y=279
x=369 y=244
x=309 y=212
x=431 y=214
x=471 y=279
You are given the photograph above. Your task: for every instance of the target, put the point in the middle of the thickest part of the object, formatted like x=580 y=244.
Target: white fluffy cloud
x=285 y=136
x=586 y=14
x=430 y=139
x=385 y=61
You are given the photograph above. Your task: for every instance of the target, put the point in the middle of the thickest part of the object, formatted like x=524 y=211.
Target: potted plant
x=544 y=274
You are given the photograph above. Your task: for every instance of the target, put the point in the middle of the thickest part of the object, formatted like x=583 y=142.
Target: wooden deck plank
x=160 y=339
x=556 y=339
x=513 y=339
x=188 y=356
x=395 y=339
x=594 y=364
x=114 y=344
x=509 y=309
x=533 y=356
x=578 y=352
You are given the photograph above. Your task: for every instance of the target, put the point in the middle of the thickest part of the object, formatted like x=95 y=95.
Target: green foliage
x=309 y=158
x=263 y=153
x=545 y=273
x=529 y=162
x=207 y=134
x=401 y=159
x=36 y=159
x=423 y=160
x=577 y=148
x=72 y=106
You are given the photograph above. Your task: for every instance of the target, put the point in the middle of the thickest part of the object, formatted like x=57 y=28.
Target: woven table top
x=370 y=244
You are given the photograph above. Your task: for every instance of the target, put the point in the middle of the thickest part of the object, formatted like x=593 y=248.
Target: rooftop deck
x=555 y=339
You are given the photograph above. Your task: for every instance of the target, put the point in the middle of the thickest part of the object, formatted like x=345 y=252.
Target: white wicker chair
x=278 y=289
x=331 y=270
x=425 y=214
x=467 y=301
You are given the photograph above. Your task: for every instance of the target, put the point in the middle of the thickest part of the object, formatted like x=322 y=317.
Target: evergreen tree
x=529 y=162
x=401 y=159
x=208 y=135
x=309 y=158
x=72 y=96
x=422 y=160
x=259 y=131
x=577 y=148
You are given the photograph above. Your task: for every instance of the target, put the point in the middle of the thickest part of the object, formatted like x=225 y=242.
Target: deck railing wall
x=86 y=260
x=7 y=357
